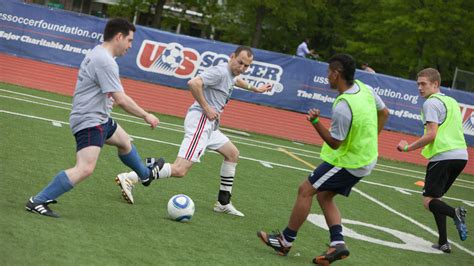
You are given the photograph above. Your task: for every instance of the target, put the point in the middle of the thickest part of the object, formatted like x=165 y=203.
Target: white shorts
x=199 y=135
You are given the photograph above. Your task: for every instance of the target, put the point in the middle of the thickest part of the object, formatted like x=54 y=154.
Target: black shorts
x=327 y=177
x=440 y=175
x=95 y=136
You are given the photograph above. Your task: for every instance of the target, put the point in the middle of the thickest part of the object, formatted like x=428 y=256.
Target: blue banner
x=63 y=37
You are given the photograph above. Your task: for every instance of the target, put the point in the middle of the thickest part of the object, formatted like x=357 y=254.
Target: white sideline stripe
x=426 y=228
x=232 y=137
x=243 y=157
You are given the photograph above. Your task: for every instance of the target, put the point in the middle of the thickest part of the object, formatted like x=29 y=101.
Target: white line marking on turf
x=413 y=221
x=232 y=137
x=467 y=202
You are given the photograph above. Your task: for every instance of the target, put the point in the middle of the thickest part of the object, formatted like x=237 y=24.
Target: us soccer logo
x=171 y=59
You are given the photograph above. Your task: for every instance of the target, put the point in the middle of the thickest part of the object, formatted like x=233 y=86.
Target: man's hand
x=211 y=114
x=264 y=88
x=401 y=145
x=312 y=114
x=152 y=120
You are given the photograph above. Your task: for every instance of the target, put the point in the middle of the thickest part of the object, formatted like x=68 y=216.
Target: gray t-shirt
x=434 y=111
x=341 y=122
x=92 y=102
x=218 y=86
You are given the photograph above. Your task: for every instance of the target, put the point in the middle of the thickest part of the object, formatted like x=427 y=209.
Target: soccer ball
x=181 y=208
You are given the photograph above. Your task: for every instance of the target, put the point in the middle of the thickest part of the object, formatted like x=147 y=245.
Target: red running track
x=171 y=101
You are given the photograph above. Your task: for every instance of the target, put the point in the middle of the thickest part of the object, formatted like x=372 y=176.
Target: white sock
x=227 y=176
x=334 y=243
x=165 y=171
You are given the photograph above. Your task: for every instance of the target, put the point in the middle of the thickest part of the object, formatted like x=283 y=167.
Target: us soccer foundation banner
x=63 y=37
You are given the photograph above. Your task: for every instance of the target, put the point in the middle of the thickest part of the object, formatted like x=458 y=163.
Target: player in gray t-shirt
x=98 y=87
x=444 y=145
x=212 y=89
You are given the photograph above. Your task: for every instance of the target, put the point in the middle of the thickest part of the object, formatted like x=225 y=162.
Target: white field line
x=469 y=203
x=413 y=221
x=246 y=142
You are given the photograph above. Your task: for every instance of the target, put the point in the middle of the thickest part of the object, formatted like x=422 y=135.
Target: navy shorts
x=327 y=177
x=95 y=136
x=440 y=175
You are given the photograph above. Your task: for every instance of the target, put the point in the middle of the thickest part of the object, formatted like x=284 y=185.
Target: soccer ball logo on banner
x=170 y=59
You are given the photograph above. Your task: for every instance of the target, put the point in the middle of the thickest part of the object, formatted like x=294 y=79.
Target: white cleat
x=229 y=209
x=126 y=185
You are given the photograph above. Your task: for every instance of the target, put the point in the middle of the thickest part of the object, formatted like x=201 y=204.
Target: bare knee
x=426 y=202
x=306 y=190
x=233 y=156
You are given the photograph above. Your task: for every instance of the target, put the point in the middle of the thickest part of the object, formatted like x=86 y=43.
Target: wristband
x=315 y=121
x=405 y=149
x=249 y=87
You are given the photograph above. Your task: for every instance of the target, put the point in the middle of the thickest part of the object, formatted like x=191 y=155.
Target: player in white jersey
x=98 y=87
x=211 y=89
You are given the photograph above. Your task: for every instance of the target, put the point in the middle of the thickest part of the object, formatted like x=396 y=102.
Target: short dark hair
x=244 y=48
x=430 y=73
x=115 y=26
x=344 y=64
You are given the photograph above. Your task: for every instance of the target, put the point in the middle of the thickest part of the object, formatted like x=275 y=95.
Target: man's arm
x=196 y=86
x=313 y=117
x=428 y=137
x=245 y=85
x=130 y=106
x=382 y=116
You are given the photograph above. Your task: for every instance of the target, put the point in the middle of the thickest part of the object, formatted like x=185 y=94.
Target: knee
x=85 y=171
x=426 y=203
x=305 y=190
x=234 y=156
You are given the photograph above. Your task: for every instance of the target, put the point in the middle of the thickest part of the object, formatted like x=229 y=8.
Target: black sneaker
x=446 y=248
x=41 y=208
x=337 y=252
x=275 y=241
x=460 y=222
x=155 y=166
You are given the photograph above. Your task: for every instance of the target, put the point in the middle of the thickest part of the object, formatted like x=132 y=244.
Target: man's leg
x=64 y=181
x=332 y=216
x=227 y=174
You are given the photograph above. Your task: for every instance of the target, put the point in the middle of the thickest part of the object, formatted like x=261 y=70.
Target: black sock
x=441 y=224
x=224 y=197
x=438 y=206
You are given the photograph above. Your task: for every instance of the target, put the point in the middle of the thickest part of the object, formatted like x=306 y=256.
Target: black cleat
x=337 y=252
x=446 y=248
x=41 y=208
x=275 y=241
x=155 y=166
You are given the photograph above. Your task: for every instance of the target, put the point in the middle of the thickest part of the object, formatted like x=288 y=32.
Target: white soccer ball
x=181 y=208
x=173 y=55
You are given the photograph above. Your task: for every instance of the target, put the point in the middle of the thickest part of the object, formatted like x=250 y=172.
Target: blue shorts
x=95 y=136
x=327 y=177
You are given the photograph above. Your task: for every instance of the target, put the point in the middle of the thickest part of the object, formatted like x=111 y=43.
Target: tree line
x=396 y=37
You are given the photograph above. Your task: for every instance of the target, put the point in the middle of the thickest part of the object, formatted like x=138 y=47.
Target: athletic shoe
x=155 y=166
x=275 y=241
x=41 y=208
x=337 y=252
x=126 y=185
x=229 y=209
x=446 y=248
x=460 y=222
